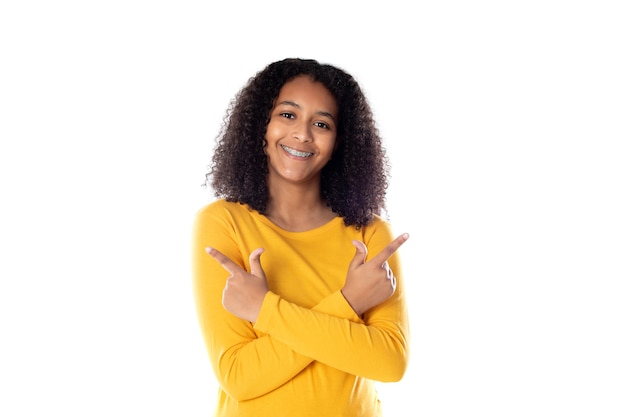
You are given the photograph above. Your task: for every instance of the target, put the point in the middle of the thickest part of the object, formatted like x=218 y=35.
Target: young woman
x=297 y=282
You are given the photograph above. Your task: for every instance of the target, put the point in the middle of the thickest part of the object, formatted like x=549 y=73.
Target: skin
x=303 y=119
x=367 y=283
x=301 y=137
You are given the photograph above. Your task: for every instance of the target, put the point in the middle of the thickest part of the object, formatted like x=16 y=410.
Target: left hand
x=370 y=283
x=244 y=292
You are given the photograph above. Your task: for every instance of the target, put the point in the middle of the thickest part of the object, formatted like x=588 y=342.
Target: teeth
x=297 y=153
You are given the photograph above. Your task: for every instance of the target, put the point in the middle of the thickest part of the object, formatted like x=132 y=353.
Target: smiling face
x=301 y=133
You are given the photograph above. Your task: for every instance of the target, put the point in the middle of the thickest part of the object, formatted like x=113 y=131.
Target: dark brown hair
x=354 y=182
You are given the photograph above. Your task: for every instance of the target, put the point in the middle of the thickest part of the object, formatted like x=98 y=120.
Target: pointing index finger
x=224 y=260
x=391 y=248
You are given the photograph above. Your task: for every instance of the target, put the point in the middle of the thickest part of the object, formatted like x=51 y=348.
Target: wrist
x=353 y=305
x=256 y=308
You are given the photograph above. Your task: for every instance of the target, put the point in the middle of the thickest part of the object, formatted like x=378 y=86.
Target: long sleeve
x=376 y=348
x=247 y=363
x=308 y=349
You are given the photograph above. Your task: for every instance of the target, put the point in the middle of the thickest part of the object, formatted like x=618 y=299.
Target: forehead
x=303 y=89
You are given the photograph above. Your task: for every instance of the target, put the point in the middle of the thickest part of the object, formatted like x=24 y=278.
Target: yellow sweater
x=308 y=354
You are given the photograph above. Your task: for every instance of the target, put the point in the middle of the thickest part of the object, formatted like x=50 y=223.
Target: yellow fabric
x=308 y=354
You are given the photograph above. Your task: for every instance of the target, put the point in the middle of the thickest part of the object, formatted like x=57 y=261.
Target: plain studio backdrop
x=505 y=126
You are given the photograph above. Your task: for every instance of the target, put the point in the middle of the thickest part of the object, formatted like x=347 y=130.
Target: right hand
x=370 y=283
x=245 y=291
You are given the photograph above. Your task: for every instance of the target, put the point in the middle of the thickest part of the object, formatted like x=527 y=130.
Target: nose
x=302 y=132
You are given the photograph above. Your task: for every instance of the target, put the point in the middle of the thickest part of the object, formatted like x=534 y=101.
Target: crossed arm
x=257 y=340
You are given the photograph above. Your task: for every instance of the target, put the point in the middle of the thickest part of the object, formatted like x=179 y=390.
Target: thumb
x=360 y=255
x=255 y=263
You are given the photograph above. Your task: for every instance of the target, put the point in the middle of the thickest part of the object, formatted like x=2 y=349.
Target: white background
x=505 y=125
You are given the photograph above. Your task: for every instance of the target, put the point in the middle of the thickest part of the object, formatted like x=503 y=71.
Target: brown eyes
x=292 y=116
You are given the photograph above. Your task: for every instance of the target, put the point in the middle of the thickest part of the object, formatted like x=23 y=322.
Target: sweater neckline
x=305 y=233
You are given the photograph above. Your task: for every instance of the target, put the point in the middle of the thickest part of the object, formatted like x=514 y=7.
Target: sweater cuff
x=337 y=305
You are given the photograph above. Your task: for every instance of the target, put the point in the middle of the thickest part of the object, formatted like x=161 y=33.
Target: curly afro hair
x=354 y=182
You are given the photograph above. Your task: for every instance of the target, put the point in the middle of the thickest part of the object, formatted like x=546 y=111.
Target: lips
x=296 y=153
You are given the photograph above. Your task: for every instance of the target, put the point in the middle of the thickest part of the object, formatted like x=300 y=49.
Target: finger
x=360 y=255
x=255 y=263
x=224 y=260
x=390 y=249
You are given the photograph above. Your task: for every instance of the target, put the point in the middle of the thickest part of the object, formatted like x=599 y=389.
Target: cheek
x=331 y=146
x=272 y=131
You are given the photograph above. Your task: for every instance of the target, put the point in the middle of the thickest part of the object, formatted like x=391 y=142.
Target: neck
x=297 y=209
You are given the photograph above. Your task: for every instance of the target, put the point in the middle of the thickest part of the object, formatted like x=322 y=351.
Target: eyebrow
x=320 y=112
